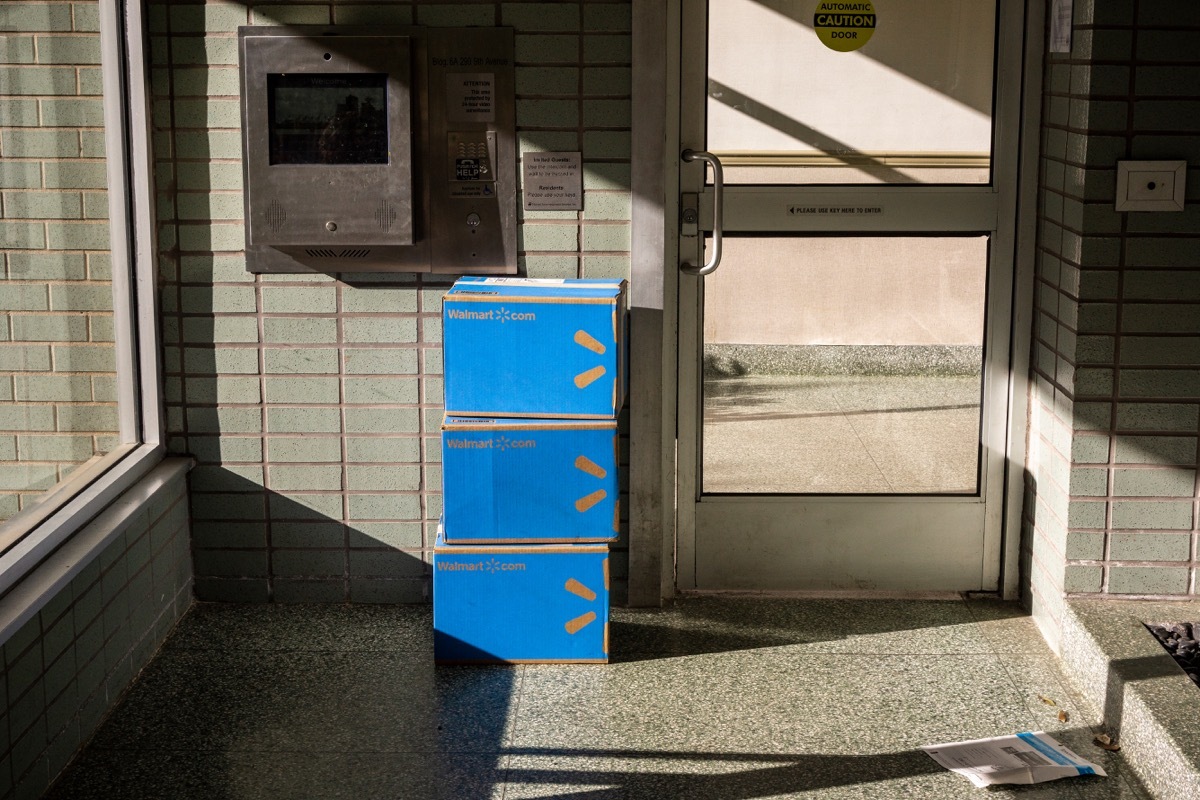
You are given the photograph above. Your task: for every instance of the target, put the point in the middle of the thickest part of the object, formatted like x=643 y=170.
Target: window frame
x=37 y=531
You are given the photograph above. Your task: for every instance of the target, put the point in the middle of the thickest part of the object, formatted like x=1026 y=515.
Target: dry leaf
x=1063 y=716
x=1048 y=701
x=1105 y=742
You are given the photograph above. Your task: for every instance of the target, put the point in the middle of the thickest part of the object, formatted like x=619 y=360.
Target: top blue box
x=524 y=347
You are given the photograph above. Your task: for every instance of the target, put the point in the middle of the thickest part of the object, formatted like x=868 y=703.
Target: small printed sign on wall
x=552 y=181
x=1060 y=26
x=471 y=96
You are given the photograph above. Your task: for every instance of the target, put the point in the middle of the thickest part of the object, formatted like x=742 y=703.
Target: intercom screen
x=328 y=118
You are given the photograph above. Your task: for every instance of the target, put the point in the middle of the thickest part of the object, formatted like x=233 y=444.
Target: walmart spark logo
x=576 y=588
x=504 y=315
x=492 y=565
x=589 y=342
x=505 y=443
x=588 y=501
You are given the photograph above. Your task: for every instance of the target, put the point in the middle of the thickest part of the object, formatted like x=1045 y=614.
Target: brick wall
x=1117 y=351
x=67 y=666
x=312 y=402
x=57 y=395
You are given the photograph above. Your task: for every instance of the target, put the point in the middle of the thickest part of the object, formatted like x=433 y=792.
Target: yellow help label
x=844 y=26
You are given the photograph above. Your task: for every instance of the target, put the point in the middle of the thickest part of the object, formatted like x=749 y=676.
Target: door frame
x=655 y=280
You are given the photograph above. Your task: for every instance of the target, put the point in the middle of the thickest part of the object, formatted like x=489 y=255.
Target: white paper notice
x=1020 y=758
x=552 y=181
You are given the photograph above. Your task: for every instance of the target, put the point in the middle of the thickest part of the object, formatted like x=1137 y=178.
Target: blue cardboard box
x=524 y=603
x=524 y=347
x=513 y=480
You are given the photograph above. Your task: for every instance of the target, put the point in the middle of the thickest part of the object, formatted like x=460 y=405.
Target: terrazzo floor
x=833 y=434
x=729 y=698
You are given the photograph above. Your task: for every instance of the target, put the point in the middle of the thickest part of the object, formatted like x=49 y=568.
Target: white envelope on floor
x=1019 y=758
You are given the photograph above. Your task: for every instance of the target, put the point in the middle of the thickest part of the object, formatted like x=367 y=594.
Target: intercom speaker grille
x=385 y=215
x=362 y=252
x=276 y=216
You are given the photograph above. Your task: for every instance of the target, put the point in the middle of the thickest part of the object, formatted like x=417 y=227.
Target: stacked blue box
x=535 y=374
x=520 y=347
x=529 y=480
x=520 y=603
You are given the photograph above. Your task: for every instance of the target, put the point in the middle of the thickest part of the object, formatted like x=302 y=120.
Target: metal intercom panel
x=379 y=150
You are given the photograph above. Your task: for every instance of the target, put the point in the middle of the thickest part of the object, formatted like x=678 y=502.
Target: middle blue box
x=527 y=481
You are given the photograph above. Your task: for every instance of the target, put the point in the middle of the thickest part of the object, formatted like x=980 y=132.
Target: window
x=79 y=406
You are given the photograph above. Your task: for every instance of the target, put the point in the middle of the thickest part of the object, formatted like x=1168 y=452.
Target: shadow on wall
x=252 y=544
x=1119 y=512
x=1151 y=433
x=258 y=408
x=302 y=492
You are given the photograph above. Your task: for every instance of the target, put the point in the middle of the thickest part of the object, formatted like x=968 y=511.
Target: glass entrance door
x=844 y=371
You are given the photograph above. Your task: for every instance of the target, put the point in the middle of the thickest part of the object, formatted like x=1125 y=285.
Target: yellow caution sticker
x=844 y=26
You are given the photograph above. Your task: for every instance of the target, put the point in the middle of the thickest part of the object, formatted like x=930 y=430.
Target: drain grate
x=1179 y=638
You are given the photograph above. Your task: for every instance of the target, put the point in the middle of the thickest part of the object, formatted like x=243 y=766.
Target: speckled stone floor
x=855 y=434
x=727 y=698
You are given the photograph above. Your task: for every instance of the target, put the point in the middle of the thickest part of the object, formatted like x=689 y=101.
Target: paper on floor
x=1020 y=758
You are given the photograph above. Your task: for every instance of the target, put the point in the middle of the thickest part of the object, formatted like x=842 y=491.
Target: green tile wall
x=313 y=402
x=65 y=668
x=56 y=355
x=1117 y=321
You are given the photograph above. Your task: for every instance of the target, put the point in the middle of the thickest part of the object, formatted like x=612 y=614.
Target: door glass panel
x=844 y=365
x=912 y=105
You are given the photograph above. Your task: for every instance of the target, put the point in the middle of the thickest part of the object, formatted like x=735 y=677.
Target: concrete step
x=1147 y=703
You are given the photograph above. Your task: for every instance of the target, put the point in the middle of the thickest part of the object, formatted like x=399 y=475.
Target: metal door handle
x=714 y=257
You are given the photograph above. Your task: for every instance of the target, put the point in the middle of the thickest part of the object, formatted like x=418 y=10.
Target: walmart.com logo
x=500 y=314
x=491 y=566
x=498 y=443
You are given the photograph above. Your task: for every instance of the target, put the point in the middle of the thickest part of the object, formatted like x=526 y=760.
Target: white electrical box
x=1151 y=185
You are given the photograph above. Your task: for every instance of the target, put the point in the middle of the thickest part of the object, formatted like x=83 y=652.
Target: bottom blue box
x=522 y=603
